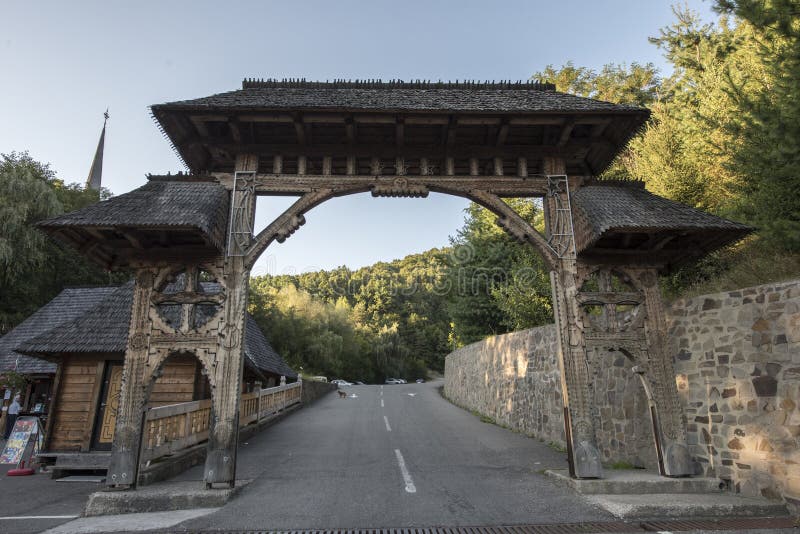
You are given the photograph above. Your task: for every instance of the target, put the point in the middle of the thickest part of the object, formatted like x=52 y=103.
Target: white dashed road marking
x=410 y=488
x=39 y=517
x=381 y=403
x=386 y=420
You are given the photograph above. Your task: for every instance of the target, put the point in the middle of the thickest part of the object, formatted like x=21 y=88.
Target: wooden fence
x=169 y=429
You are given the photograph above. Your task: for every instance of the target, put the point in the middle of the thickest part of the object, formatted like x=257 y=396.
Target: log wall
x=75 y=403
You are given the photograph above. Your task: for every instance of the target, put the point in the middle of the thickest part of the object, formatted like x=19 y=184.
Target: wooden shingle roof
x=391 y=96
x=362 y=119
x=160 y=214
x=623 y=219
x=103 y=328
x=66 y=306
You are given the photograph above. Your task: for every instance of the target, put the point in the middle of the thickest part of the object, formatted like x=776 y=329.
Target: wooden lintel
x=323 y=118
x=427 y=120
x=479 y=121
x=375 y=119
x=266 y=117
x=571 y=151
x=502 y=186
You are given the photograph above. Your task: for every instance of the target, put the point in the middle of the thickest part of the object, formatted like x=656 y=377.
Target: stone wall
x=312 y=390
x=737 y=363
x=513 y=379
x=737 y=360
x=623 y=426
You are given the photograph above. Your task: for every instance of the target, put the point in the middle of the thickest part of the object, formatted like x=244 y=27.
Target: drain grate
x=675 y=525
x=732 y=523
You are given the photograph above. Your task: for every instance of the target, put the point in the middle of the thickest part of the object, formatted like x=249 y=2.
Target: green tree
x=34 y=268
x=495 y=284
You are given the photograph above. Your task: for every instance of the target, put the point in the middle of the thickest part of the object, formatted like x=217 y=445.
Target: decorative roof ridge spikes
x=340 y=83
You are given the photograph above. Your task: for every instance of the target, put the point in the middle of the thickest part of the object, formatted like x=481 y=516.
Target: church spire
x=94 y=181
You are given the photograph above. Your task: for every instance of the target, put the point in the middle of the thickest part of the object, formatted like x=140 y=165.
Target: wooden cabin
x=88 y=353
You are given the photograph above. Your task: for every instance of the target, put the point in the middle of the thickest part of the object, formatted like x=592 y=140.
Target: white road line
x=39 y=517
x=386 y=420
x=410 y=488
x=381 y=403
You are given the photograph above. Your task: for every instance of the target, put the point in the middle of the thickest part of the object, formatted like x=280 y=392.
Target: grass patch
x=556 y=446
x=622 y=465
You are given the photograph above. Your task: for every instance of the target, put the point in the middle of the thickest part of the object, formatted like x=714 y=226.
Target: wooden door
x=106 y=417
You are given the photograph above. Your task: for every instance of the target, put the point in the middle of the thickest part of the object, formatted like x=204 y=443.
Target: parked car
x=394 y=381
x=341 y=383
x=420 y=381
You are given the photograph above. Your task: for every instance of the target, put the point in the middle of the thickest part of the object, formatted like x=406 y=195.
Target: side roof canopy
x=156 y=219
x=623 y=222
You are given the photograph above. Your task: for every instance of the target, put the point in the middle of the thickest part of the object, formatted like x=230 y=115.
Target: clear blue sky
x=62 y=63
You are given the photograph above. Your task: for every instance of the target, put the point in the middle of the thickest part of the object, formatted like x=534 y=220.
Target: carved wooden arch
x=160 y=355
x=293 y=217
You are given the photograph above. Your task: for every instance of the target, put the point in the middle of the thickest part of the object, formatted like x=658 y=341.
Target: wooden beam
x=300 y=130
x=277 y=164
x=600 y=127
x=134 y=238
x=502 y=186
x=522 y=167
x=390 y=151
x=449 y=166
x=566 y=131
x=450 y=132
x=473 y=167
x=236 y=132
x=399 y=133
x=498 y=166
x=502 y=133
x=350 y=131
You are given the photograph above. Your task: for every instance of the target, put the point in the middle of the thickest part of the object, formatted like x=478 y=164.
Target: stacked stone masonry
x=737 y=364
x=513 y=379
x=737 y=360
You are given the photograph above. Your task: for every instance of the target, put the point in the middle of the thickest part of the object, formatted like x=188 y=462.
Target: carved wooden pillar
x=223 y=435
x=123 y=469
x=669 y=420
x=584 y=457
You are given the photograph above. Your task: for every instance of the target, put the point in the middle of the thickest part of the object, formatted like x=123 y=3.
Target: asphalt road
x=37 y=502
x=392 y=456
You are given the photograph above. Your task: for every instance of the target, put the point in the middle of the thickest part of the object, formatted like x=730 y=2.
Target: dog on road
x=342 y=394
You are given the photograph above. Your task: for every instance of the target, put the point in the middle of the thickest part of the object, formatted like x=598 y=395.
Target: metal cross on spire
x=94 y=181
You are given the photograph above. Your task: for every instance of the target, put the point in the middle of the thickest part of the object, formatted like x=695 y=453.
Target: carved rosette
x=400 y=187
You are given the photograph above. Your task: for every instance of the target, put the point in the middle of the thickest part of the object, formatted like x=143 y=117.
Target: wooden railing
x=169 y=429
